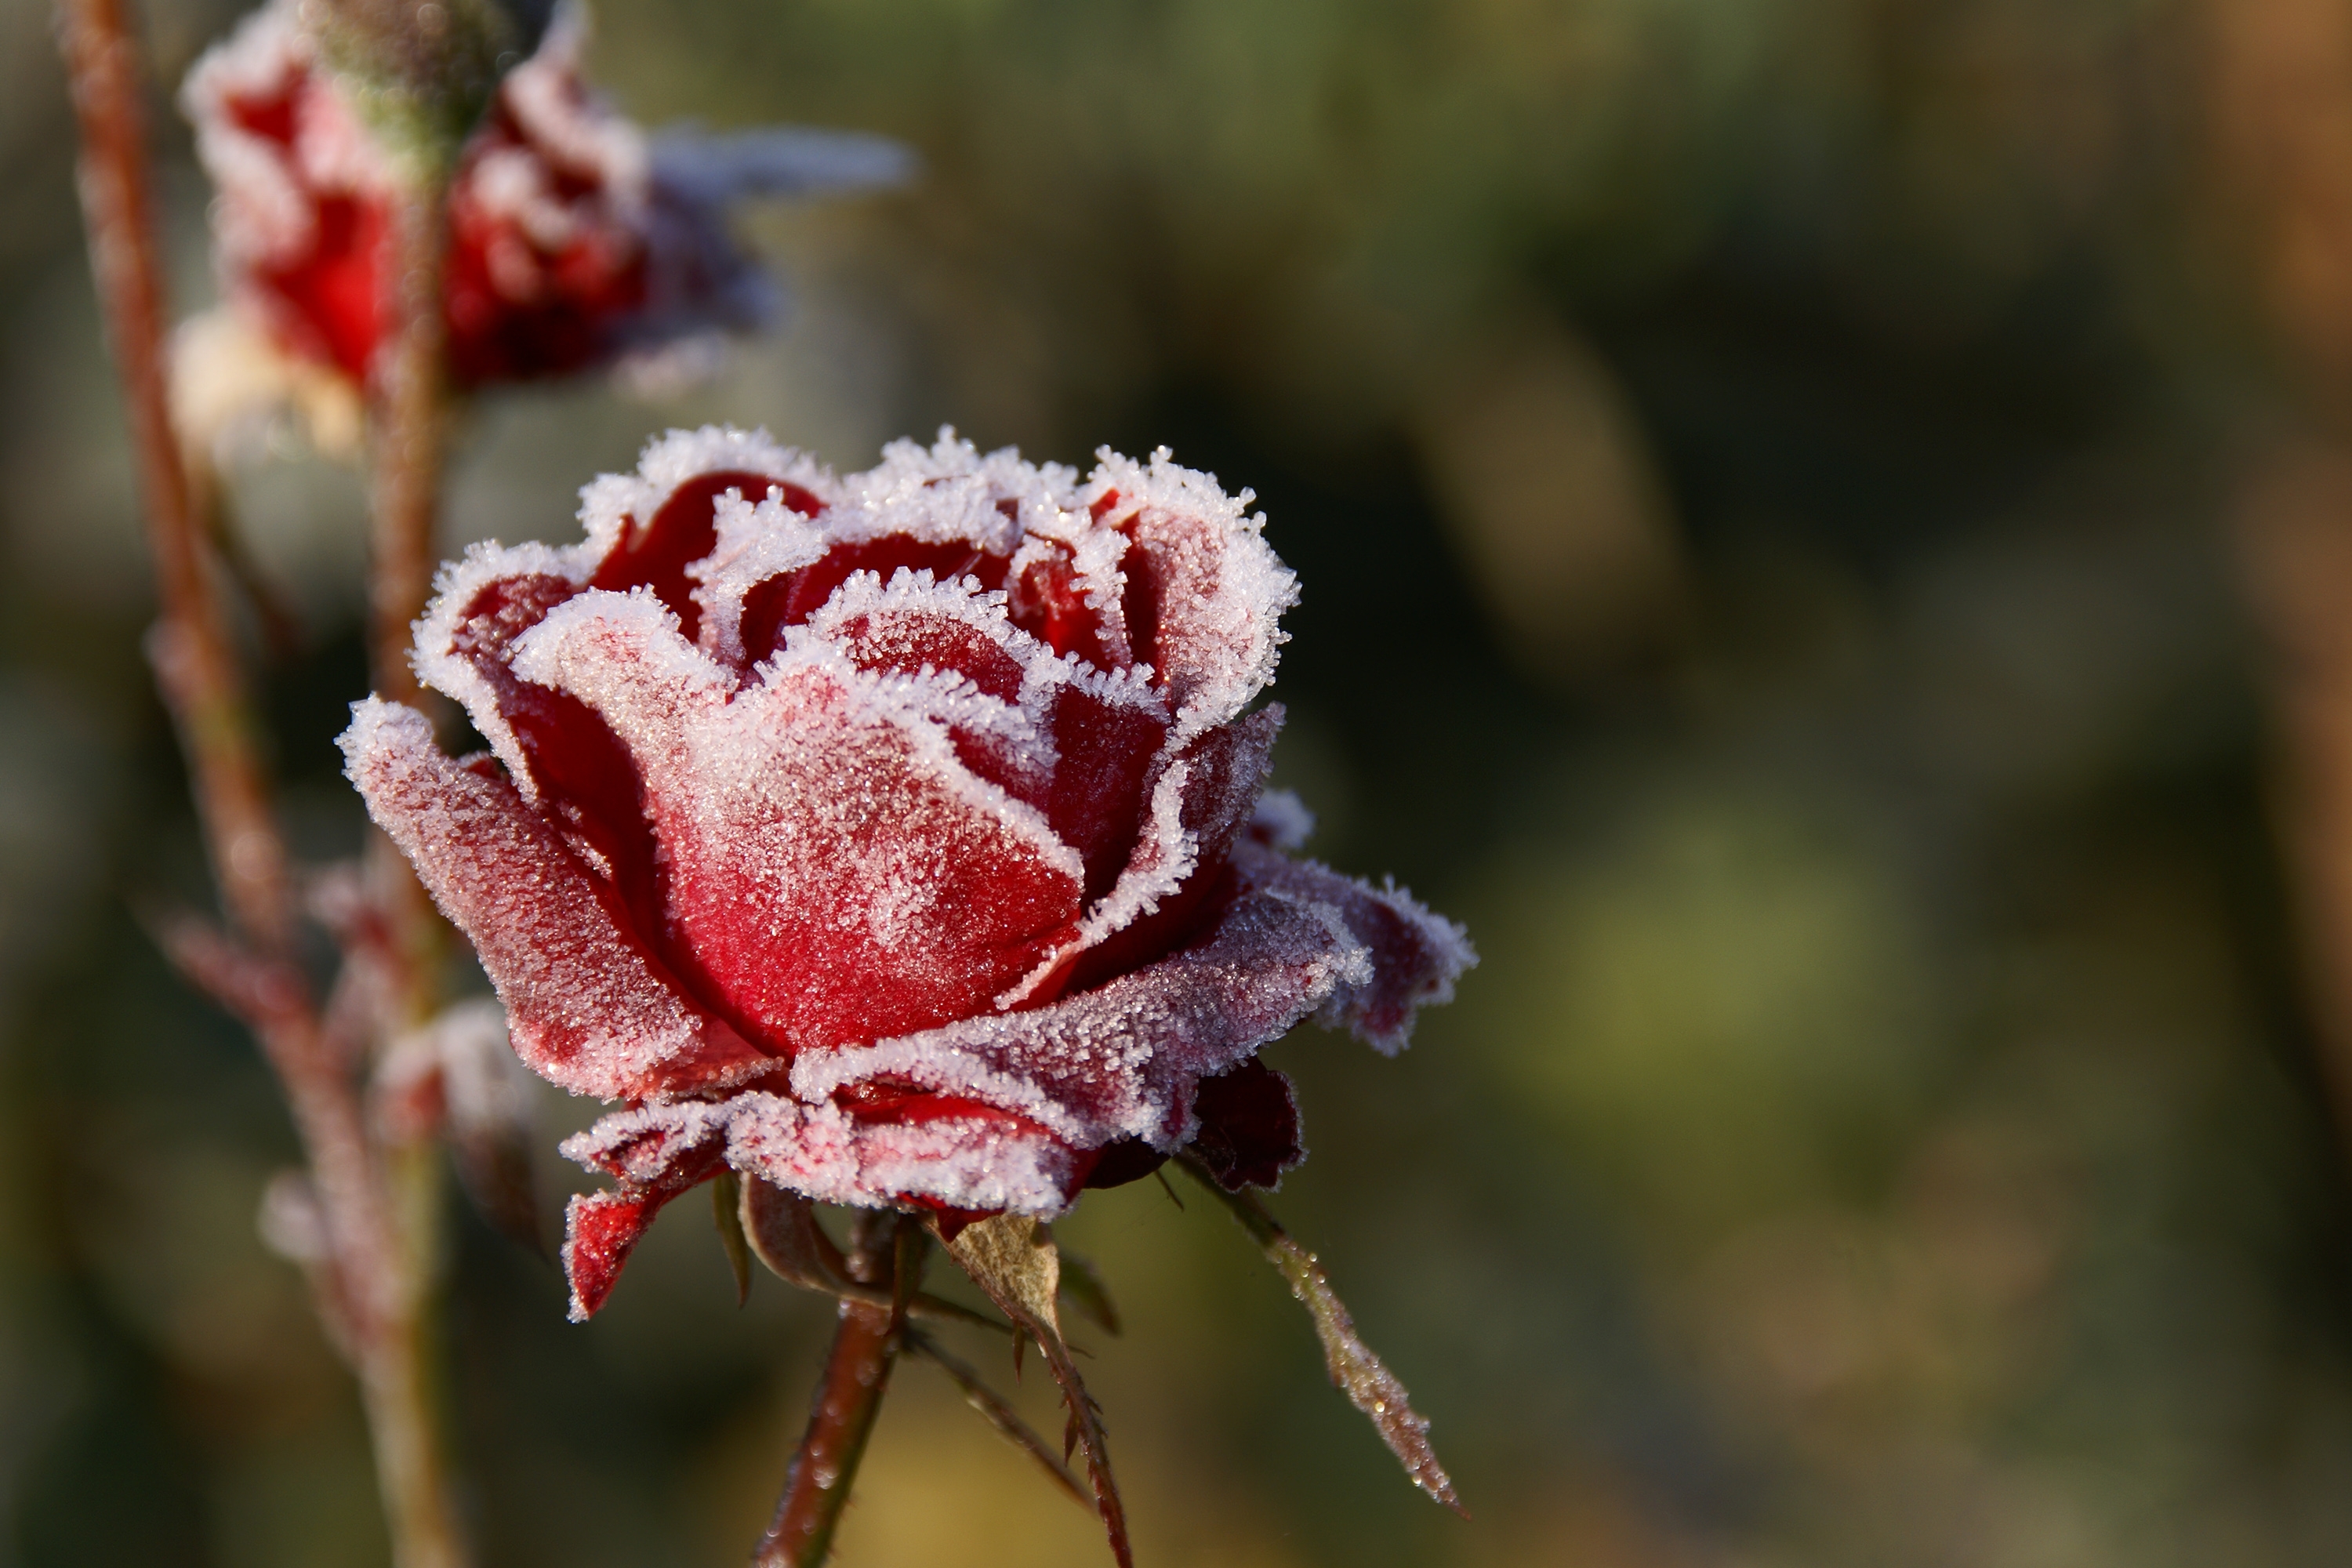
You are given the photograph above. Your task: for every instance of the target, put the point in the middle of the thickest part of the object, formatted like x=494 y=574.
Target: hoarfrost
x=590 y=1008
x=940 y=785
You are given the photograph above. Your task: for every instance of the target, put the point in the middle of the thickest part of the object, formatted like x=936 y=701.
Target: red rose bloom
x=574 y=240
x=896 y=838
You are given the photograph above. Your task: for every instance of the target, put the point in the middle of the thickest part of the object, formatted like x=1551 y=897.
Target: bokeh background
x=1826 y=529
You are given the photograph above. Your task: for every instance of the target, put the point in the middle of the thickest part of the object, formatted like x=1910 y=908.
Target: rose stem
x=889 y=1249
x=194 y=665
x=405 y=481
x=204 y=690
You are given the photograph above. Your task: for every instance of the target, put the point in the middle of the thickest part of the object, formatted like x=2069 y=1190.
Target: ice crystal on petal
x=894 y=837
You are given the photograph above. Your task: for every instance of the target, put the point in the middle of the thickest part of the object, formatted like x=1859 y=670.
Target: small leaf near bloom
x=893 y=839
x=576 y=242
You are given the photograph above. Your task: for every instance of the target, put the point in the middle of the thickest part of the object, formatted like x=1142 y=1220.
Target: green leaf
x=725 y=1203
x=999 y=1413
x=1369 y=1386
x=1082 y=1287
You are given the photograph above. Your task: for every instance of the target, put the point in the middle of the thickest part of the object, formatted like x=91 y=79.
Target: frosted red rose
x=896 y=838
x=573 y=239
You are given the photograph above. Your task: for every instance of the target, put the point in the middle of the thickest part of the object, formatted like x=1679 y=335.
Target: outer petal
x=974 y=1158
x=589 y=1006
x=1122 y=1060
x=658 y=1152
x=1205 y=593
x=1414 y=955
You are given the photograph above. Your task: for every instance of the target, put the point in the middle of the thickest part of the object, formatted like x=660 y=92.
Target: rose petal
x=1249 y=1126
x=590 y=1008
x=1122 y=1060
x=975 y=1159
x=835 y=871
x=1205 y=593
x=1415 y=956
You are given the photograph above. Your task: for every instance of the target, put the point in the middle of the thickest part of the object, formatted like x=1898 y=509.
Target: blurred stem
x=400 y=1375
x=888 y=1251
x=196 y=666
x=379 y=1205
x=400 y=1367
x=410 y=407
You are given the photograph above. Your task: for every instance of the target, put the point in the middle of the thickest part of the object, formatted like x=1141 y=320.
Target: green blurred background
x=1819 y=528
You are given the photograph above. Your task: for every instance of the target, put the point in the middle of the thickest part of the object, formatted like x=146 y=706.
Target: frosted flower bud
x=896 y=837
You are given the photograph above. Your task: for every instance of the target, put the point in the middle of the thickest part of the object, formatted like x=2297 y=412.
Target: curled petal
x=1120 y=1060
x=968 y=1157
x=1414 y=956
x=590 y=1008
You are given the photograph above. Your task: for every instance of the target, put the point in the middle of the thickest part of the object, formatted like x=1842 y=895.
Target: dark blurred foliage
x=1763 y=478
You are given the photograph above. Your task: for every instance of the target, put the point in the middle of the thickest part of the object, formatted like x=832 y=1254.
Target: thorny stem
x=888 y=1251
x=372 y=1283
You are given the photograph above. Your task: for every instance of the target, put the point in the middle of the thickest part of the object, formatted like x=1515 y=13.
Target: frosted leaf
x=588 y=1007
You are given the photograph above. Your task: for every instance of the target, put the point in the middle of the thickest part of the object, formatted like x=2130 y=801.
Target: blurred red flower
x=896 y=838
x=574 y=239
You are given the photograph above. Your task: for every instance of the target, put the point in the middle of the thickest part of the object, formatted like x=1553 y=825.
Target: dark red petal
x=1123 y=1161
x=684 y=530
x=1109 y=752
x=1227 y=765
x=582 y=774
x=1122 y=1060
x=940 y=1154
x=601 y=1229
x=790 y=599
x=1204 y=594
x=590 y=1005
x=1249 y=1126
x=328 y=303
x=658 y=1152
x=902 y=640
x=1048 y=601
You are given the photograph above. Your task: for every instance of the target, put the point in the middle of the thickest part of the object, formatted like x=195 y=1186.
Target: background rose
x=895 y=839
x=574 y=239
